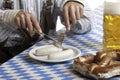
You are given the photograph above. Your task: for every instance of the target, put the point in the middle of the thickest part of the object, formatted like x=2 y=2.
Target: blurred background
x=94 y=3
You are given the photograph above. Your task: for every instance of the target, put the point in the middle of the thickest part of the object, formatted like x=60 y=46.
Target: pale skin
x=72 y=11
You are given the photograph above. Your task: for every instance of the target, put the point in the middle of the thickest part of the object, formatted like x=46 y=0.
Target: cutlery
x=56 y=43
x=61 y=30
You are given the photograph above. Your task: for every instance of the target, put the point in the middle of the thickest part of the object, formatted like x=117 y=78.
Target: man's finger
x=17 y=20
x=77 y=12
x=72 y=14
x=22 y=20
x=66 y=17
x=29 y=23
x=36 y=24
x=81 y=11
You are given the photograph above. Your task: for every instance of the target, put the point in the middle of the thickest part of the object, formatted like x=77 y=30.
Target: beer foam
x=112 y=7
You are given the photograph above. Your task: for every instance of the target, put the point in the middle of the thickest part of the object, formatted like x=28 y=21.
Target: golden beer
x=111 y=24
x=111 y=31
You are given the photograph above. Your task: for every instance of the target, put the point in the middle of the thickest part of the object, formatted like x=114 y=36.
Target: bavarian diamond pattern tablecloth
x=22 y=67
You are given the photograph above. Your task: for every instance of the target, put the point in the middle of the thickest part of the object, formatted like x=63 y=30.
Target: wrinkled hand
x=72 y=12
x=27 y=21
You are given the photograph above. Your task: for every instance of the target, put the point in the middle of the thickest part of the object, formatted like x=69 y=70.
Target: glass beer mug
x=111 y=24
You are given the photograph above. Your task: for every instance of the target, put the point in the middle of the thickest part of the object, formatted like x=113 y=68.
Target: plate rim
x=31 y=54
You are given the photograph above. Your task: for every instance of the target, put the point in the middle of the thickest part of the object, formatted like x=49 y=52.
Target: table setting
x=27 y=66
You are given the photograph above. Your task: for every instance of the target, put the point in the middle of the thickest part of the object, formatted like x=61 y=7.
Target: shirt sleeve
x=6 y=22
x=84 y=24
x=7 y=17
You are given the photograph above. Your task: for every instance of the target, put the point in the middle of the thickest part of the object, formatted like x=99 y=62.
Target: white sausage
x=61 y=55
x=43 y=51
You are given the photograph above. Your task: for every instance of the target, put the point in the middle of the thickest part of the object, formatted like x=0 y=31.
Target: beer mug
x=111 y=24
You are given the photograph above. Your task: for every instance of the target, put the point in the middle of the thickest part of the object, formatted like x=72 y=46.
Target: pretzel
x=103 y=65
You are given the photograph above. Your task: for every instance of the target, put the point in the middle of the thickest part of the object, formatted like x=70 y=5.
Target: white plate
x=77 y=53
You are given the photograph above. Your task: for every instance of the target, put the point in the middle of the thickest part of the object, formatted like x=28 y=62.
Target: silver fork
x=61 y=30
x=61 y=37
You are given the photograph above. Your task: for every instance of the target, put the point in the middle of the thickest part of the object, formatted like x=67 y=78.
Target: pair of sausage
x=54 y=53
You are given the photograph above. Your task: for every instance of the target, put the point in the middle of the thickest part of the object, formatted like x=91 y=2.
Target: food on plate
x=52 y=52
x=103 y=65
x=47 y=50
x=61 y=55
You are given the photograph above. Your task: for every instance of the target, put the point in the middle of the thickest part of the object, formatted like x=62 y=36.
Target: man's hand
x=72 y=12
x=27 y=21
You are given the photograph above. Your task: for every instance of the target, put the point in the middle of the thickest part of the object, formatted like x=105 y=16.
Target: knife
x=56 y=43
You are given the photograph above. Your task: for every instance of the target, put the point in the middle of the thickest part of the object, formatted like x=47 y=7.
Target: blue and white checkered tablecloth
x=22 y=67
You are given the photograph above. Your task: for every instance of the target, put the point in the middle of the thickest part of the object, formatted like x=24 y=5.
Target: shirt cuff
x=8 y=16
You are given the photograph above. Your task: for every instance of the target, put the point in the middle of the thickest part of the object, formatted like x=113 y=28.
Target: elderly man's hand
x=72 y=12
x=27 y=21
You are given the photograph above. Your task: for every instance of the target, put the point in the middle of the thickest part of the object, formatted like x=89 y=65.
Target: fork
x=61 y=30
x=61 y=37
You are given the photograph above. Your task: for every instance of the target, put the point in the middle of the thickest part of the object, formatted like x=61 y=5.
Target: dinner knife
x=56 y=43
